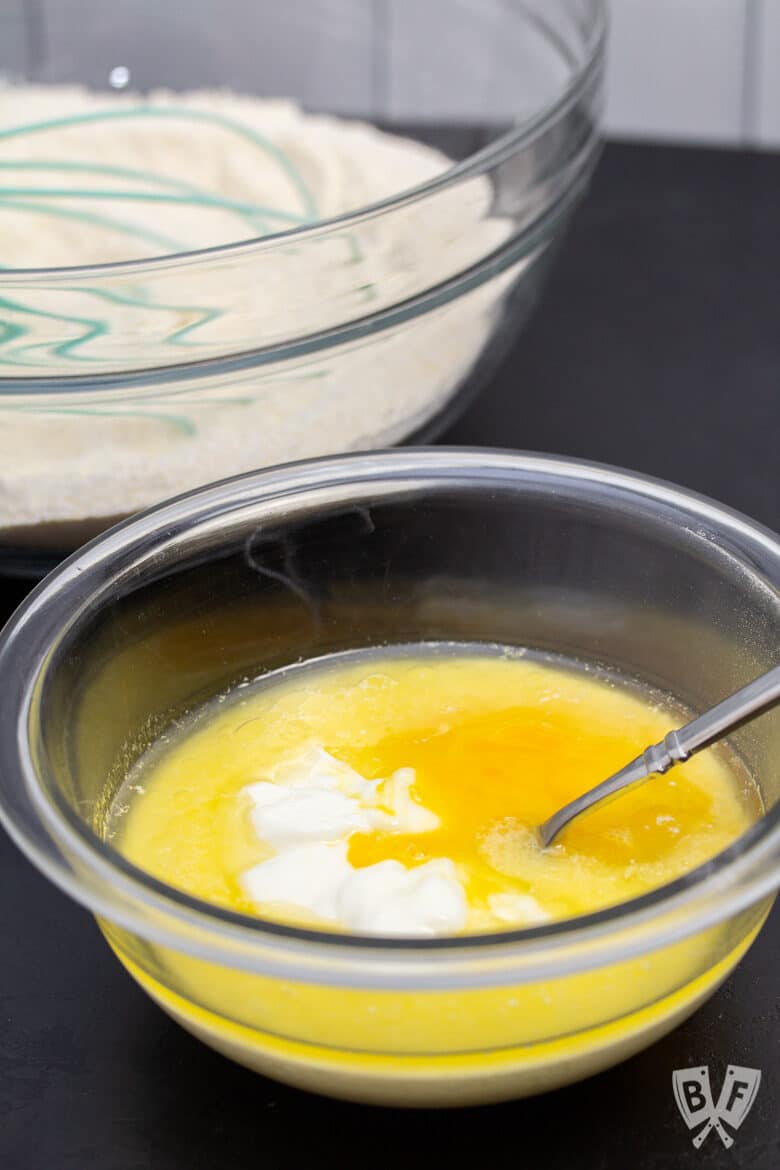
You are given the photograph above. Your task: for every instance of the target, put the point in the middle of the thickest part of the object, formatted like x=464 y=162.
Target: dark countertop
x=657 y=347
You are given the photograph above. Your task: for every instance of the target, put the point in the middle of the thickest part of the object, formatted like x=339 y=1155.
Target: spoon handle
x=730 y=714
x=675 y=747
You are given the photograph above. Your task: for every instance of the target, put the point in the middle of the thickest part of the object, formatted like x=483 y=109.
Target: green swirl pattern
x=30 y=186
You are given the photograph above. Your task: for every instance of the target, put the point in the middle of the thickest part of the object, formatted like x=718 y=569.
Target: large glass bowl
x=122 y=384
x=174 y=606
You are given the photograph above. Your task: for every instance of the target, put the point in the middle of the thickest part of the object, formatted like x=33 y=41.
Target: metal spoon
x=677 y=746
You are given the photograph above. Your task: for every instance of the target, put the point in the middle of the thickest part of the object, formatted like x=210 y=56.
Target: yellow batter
x=497 y=743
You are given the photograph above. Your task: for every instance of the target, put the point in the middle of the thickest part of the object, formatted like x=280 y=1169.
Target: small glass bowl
x=123 y=384
x=174 y=606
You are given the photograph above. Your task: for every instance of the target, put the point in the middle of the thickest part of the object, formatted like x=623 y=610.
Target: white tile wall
x=696 y=70
x=763 y=75
x=701 y=70
x=192 y=49
x=470 y=60
x=676 y=69
x=15 y=36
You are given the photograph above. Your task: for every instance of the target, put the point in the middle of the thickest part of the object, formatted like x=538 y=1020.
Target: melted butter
x=497 y=743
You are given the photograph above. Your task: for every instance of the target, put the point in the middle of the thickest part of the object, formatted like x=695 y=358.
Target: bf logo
x=694 y=1100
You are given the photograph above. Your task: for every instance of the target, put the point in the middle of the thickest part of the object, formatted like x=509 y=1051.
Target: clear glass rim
x=449 y=290
x=475 y=164
x=744 y=873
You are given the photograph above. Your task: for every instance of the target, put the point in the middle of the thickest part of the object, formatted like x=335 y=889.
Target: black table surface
x=656 y=347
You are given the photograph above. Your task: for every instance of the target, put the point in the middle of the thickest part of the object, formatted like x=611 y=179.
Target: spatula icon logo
x=694 y=1100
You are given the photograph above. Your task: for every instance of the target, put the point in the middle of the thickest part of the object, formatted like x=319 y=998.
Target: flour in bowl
x=93 y=179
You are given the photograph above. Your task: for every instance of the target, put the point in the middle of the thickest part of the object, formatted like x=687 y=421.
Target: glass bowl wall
x=125 y=383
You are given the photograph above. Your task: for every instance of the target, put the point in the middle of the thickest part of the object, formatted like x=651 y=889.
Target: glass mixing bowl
x=124 y=383
x=172 y=607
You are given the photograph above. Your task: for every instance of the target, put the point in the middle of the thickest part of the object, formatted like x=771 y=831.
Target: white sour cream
x=307 y=810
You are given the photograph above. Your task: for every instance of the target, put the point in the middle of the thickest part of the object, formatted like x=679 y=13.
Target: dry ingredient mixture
x=89 y=178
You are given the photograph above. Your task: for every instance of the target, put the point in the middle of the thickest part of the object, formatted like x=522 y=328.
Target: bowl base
x=441 y=1081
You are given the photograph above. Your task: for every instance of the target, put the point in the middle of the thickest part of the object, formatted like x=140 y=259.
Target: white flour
x=189 y=172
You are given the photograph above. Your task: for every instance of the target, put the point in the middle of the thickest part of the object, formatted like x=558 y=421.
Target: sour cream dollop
x=307 y=809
